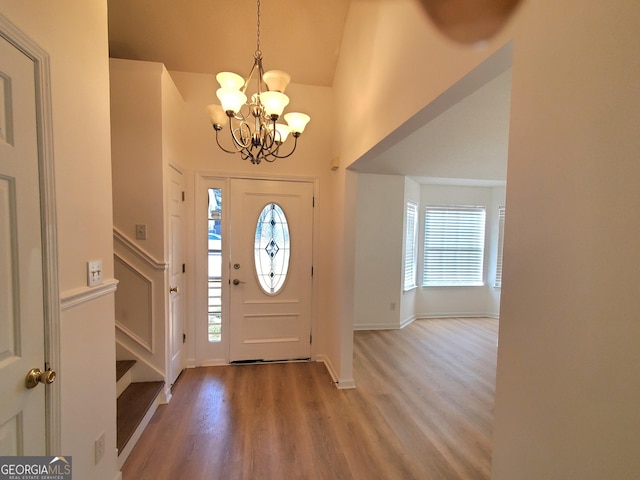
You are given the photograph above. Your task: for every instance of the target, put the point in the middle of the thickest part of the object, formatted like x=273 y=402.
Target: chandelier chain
x=258 y=52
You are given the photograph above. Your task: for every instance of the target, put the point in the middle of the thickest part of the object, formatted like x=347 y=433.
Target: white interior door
x=176 y=273
x=22 y=410
x=270 y=319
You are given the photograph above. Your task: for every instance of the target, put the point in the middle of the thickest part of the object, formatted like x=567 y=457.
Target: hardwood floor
x=422 y=409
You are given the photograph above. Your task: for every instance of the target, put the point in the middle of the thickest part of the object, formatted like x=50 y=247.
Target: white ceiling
x=467 y=141
x=303 y=37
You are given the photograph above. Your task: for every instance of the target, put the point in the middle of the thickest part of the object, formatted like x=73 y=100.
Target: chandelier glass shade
x=253 y=126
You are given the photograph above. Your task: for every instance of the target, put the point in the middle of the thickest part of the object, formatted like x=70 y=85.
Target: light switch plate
x=94 y=273
x=141 y=231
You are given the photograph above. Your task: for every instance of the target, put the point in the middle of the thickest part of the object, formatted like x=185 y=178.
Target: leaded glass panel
x=272 y=248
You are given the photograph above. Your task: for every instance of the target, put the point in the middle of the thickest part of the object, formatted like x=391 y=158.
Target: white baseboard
x=457 y=315
x=407 y=321
x=376 y=326
x=211 y=362
x=385 y=326
x=341 y=384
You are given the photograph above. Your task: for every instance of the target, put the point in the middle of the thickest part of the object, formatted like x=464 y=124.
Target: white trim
x=136 y=338
x=139 y=252
x=146 y=344
x=427 y=316
x=82 y=295
x=207 y=362
x=213 y=175
x=407 y=321
x=151 y=373
x=385 y=326
x=376 y=326
x=341 y=384
x=42 y=80
x=118 y=476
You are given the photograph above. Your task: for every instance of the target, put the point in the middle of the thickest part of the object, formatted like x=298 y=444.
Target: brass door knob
x=36 y=376
x=173 y=289
x=237 y=282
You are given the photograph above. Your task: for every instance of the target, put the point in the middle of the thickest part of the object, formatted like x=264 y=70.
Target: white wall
x=137 y=149
x=568 y=388
x=378 y=253
x=74 y=34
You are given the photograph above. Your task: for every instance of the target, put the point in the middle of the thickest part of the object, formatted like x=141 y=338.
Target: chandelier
x=253 y=123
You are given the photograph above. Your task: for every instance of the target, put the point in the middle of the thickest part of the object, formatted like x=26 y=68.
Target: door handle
x=36 y=376
x=173 y=289
x=237 y=282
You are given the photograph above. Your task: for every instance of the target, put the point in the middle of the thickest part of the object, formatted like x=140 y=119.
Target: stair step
x=132 y=406
x=122 y=367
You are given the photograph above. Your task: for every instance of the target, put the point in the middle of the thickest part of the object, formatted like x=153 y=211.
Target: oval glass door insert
x=272 y=248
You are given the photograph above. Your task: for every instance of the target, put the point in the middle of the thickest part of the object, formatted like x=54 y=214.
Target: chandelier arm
x=250 y=76
x=222 y=148
x=240 y=143
x=295 y=144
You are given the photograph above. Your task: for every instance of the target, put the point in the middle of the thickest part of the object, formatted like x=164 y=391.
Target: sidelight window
x=214 y=245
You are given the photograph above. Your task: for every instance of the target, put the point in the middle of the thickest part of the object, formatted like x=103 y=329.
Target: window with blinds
x=453 y=246
x=410 y=244
x=498 y=282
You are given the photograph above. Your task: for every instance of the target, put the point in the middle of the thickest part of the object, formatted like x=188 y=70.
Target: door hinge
x=183 y=196
x=184 y=268
x=310 y=339
x=312 y=270
x=184 y=338
x=313 y=202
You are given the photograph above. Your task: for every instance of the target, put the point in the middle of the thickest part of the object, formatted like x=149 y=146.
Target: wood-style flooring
x=422 y=409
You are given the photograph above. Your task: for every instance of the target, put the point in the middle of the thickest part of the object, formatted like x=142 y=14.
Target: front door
x=22 y=409
x=270 y=273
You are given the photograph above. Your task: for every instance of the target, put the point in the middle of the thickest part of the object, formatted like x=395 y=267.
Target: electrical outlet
x=141 y=231
x=94 y=273
x=99 y=448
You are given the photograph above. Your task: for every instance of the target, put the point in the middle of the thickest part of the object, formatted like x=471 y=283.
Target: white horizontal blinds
x=453 y=246
x=500 y=243
x=410 y=250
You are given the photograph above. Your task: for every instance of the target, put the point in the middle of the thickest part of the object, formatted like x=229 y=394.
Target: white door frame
x=40 y=59
x=202 y=179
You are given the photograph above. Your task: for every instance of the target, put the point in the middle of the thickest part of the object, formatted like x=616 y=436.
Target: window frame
x=410 y=257
x=467 y=234
x=499 y=254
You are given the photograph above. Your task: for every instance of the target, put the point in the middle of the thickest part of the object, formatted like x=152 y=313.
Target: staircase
x=137 y=402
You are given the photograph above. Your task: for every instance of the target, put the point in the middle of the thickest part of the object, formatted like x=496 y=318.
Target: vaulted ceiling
x=303 y=38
